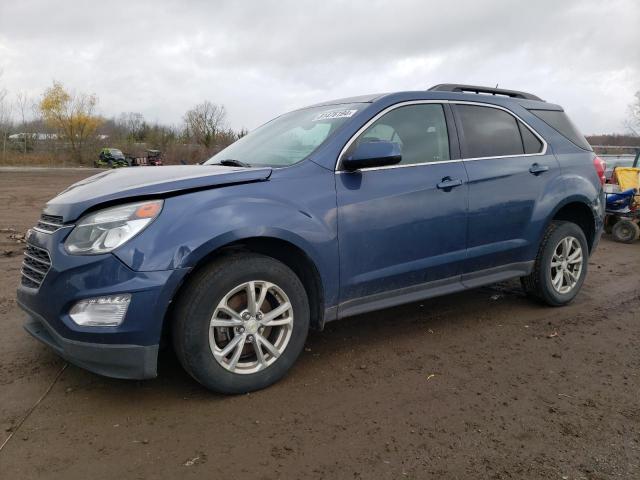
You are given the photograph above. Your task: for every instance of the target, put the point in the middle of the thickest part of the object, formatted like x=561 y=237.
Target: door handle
x=447 y=183
x=537 y=169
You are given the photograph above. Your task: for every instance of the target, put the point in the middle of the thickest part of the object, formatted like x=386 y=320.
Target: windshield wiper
x=230 y=162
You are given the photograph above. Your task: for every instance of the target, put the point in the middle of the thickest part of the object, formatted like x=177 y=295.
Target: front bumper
x=117 y=361
x=128 y=350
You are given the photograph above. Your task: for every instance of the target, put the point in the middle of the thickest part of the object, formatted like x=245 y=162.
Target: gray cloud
x=263 y=58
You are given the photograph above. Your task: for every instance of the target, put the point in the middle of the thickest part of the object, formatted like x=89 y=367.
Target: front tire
x=240 y=323
x=560 y=266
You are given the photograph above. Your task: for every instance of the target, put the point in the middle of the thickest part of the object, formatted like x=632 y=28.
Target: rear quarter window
x=532 y=144
x=560 y=122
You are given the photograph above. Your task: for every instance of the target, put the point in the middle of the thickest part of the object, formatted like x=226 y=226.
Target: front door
x=402 y=229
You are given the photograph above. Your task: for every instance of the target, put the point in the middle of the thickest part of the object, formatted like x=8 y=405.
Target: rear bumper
x=111 y=360
x=598 y=208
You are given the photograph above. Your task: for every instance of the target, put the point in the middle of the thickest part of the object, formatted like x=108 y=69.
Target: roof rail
x=453 y=87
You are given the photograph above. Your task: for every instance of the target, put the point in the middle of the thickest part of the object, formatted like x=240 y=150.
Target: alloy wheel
x=566 y=265
x=251 y=327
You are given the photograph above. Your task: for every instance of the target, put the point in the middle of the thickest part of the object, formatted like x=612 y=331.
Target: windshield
x=289 y=138
x=115 y=151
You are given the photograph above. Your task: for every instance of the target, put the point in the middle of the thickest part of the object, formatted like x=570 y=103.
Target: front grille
x=49 y=223
x=35 y=266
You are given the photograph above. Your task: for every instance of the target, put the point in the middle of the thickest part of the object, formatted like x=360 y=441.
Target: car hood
x=134 y=182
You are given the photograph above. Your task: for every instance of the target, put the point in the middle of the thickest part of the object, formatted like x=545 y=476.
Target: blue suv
x=326 y=212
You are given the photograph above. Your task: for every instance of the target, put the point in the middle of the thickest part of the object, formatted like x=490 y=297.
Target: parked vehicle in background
x=333 y=210
x=114 y=158
x=627 y=157
x=622 y=218
x=111 y=158
x=614 y=161
x=151 y=158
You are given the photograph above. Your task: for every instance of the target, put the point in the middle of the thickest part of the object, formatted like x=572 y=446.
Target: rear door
x=402 y=228
x=509 y=167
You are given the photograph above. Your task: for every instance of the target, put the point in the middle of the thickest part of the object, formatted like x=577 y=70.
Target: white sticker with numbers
x=330 y=115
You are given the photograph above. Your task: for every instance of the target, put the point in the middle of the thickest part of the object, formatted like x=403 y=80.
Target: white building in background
x=43 y=136
x=33 y=136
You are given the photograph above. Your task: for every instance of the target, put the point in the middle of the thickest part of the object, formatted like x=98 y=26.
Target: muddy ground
x=484 y=384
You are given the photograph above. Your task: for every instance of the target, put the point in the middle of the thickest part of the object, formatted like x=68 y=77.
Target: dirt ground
x=483 y=384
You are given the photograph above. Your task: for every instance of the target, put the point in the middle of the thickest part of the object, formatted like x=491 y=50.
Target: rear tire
x=625 y=231
x=216 y=312
x=560 y=266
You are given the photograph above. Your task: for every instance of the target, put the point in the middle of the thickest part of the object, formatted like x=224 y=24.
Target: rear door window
x=489 y=132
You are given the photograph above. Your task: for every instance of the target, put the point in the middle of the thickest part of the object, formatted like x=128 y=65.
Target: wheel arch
x=578 y=210
x=280 y=249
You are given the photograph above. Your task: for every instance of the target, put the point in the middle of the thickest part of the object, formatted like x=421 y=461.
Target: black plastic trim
x=460 y=88
x=435 y=288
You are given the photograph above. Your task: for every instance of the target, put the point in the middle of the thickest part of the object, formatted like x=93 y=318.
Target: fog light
x=101 y=311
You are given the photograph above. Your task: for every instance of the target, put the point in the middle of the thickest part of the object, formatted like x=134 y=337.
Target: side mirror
x=378 y=153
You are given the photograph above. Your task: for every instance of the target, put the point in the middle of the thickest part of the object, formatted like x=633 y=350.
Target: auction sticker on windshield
x=334 y=114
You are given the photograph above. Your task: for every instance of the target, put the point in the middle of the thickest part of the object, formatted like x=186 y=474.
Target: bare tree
x=5 y=118
x=133 y=124
x=23 y=103
x=204 y=122
x=633 y=123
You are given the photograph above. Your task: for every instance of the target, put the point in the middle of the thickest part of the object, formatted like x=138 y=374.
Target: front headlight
x=105 y=230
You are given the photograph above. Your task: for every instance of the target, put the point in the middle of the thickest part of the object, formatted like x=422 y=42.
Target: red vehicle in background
x=152 y=158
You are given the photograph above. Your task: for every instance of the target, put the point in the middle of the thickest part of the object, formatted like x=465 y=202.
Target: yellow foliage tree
x=72 y=115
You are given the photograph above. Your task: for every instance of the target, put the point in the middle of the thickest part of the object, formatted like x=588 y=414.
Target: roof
x=358 y=99
x=460 y=88
x=451 y=91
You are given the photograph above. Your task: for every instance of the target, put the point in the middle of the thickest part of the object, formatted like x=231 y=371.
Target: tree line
x=62 y=127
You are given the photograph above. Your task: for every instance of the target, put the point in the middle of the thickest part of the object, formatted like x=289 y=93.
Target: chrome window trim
x=441 y=102
x=405 y=165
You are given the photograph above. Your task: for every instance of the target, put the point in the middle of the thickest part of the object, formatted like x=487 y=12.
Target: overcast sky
x=263 y=58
